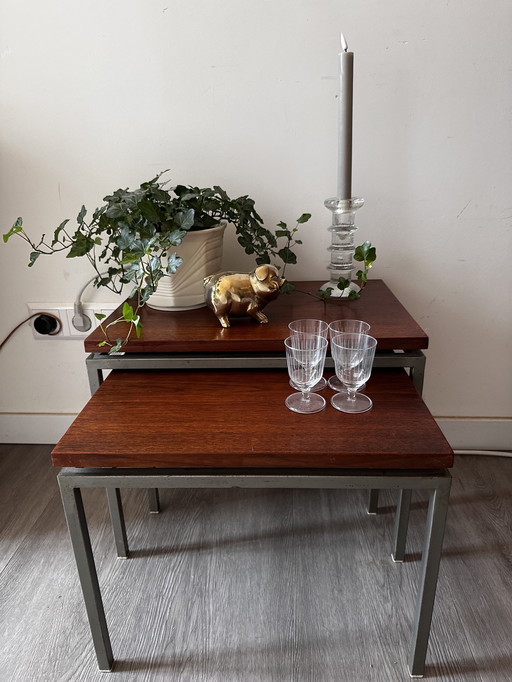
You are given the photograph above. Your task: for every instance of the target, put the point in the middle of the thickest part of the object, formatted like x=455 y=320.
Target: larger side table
x=124 y=438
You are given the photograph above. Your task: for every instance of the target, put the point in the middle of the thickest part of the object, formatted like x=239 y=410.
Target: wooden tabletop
x=233 y=418
x=198 y=331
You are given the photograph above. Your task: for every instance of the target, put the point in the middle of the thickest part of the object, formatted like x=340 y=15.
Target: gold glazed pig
x=232 y=293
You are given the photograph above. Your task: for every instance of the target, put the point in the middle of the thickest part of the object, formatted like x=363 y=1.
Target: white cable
x=82 y=322
x=78 y=300
x=489 y=453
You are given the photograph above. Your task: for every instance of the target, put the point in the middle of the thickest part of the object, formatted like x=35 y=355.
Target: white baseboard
x=461 y=433
x=477 y=434
x=34 y=428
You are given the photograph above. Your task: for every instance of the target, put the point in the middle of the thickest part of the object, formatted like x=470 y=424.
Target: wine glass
x=305 y=357
x=342 y=327
x=310 y=326
x=353 y=359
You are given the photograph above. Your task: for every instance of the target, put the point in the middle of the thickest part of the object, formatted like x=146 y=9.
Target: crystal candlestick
x=342 y=247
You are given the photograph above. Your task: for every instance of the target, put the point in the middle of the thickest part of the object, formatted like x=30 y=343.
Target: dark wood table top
x=198 y=331
x=237 y=418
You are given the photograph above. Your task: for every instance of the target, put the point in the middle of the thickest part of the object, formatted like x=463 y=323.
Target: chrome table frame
x=437 y=482
x=97 y=363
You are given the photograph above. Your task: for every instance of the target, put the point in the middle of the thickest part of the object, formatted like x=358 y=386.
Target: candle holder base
x=340 y=293
x=342 y=247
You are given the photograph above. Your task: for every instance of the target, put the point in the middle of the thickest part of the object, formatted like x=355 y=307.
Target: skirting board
x=461 y=433
x=477 y=433
x=39 y=429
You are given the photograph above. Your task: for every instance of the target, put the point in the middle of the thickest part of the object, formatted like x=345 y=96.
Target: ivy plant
x=364 y=253
x=130 y=239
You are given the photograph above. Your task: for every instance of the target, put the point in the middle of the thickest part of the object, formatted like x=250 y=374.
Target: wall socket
x=65 y=314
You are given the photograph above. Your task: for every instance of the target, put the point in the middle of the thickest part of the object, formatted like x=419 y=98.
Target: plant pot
x=201 y=251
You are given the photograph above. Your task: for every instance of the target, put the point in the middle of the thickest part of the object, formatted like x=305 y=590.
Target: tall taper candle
x=346 y=74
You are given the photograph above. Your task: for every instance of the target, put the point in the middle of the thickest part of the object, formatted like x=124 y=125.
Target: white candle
x=346 y=75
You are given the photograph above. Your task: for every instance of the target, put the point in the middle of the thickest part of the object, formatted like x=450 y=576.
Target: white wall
x=99 y=95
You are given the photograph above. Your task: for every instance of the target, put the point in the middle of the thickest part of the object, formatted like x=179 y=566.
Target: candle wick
x=343 y=42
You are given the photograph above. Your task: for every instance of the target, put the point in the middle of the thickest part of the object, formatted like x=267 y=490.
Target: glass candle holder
x=342 y=247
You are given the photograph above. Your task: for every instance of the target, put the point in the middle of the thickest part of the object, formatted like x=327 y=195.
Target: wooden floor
x=253 y=585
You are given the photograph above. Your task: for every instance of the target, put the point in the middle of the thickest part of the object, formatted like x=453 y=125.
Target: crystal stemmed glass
x=353 y=359
x=310 y=326
x=305 y=357
x=345 y=327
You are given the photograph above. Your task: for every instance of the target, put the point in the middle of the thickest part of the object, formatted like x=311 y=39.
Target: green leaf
x=173 y=263
x=154 y=264
x=125 y=239
x=287 y=255
x=353 y=295
x=130 y=258
x=17 y=227
x=282 y=233
x=361 y=276
x=175 y=237
x=115 y=211
x=128 y=315
x=304 y=218
x=81 y=246
x=287 y=288
x=117 y=347
x=325 y=293
x=365 y=253
x=185 y=220
x=80 y=217
x=150 y=211
x=343 y=283
x=100 y=316
x=33 y=257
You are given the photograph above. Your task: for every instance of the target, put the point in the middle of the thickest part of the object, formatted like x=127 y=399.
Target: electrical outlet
x=65 y=314
x=91 y=314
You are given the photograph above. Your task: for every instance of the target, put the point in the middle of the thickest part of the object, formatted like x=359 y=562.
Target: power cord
x=488 y=453
x=80 y=321
x=53 y=332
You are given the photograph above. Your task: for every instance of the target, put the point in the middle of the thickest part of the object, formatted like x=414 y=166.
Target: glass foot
x=305 y=405
x=359 y=403
x=317 y=387
x=336 y=385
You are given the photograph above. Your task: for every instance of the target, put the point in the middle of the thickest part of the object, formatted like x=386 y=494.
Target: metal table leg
x=154 y=501
x=81 y=542
x=434 y=533
x=115 y=507
x=373 y=501
x=401 y=525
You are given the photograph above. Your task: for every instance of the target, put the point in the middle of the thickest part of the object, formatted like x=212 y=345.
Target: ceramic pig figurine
x=232 y=293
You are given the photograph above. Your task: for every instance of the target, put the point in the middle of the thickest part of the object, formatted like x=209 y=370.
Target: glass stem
x=351 y=394
x=305 y=396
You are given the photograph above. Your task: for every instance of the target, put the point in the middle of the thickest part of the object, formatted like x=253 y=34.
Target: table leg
x=81 y=542
x=373 y=501
x=434 y=532
x=115 y=507
x=401 y=525
x=154 y=501
x=95 y=377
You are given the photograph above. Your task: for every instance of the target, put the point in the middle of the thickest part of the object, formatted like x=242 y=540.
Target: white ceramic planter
x=202 y=256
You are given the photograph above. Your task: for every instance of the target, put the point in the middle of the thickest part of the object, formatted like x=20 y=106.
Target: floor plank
x=263 y=585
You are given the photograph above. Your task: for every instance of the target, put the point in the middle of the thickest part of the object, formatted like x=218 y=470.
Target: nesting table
x=227 y=388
